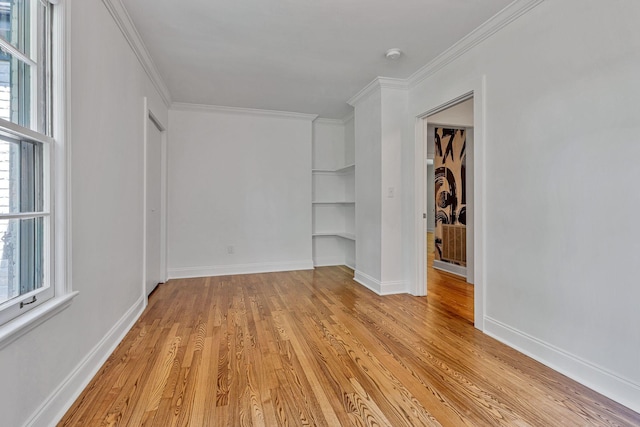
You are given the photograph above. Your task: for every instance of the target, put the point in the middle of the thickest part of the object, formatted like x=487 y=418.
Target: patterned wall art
x=450 y=195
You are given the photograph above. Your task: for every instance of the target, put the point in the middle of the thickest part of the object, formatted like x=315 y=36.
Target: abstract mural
x=450 y=184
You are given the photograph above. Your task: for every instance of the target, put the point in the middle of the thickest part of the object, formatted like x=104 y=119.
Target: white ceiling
x=295 y=55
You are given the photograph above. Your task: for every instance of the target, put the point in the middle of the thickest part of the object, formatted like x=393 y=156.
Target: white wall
x=330 y=153
x=349 y=140
x=561 y=149
x=43 y=370
x=328 y=144
x=394 y=113
x=368 y=189
x=240 y=179
x=380 y=115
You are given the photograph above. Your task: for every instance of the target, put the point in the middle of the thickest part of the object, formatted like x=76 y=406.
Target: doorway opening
x=448 y=134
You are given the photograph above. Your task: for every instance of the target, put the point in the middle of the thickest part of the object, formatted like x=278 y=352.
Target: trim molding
x=57 y=404
x=336 y=122
x=458 y=270
x=378 y=83
x=124 y=22
x=330 y=122
x=380 y=288
x=26 y=322
x=595 y=377
x=327 y=261
x=500 y=20
x=183 y=106
x=232 y=269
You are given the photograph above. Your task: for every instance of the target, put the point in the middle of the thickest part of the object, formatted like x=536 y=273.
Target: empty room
x=336 y=213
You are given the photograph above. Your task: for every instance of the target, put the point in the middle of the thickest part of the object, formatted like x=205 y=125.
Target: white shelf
x=342 y=170
x=333 y=202
x=348 y=236
x=333 y=195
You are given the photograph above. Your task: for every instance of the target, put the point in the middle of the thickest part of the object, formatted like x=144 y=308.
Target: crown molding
x=183 y=106
x=124 y=22
x=335 y=122
x=378 y=83
x=500 y=20
x=329 y=122
x=389 y=83
x=348 y=118
x=364 y=93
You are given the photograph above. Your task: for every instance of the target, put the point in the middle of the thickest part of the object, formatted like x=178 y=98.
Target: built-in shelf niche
x=333 y=197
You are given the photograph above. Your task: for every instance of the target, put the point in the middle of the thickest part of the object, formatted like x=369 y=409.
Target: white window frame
x=57 y=181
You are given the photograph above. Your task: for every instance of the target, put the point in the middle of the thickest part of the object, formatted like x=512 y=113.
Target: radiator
x=454 y=243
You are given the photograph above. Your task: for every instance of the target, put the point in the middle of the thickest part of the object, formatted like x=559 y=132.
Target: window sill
x=28 y=321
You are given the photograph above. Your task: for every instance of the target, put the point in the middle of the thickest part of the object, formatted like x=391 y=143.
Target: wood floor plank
x=316 y=348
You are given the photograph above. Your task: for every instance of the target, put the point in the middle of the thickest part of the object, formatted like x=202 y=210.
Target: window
x=26 y=236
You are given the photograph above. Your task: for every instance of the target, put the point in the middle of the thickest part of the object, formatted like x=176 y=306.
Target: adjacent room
x=221 y=213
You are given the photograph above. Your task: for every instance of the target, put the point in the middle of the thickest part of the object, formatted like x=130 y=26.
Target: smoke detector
x=393 y=54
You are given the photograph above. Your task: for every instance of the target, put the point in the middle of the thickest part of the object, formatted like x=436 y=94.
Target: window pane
x=15 y=90
x=21 y=180
x=21 y=257
x=14 y=24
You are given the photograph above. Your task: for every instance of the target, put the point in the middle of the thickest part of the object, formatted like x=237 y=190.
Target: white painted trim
x=148 y=114
x=164 y=201
x=367 y=281
x=419 y=287
x=59 y=402
x=342 y=234
x=344 y=170
x=622 y=390
x=232 y=269
x=328 y=122
x=61 y=85
x=183 y=106
x=327 y=261
x=500 y=20
x=391 y=83
x=458 y=270
x=16 y=53
x=26 y=322
x=364 y=93
x=380 y=288
x=378 y=83
x=475 y=88
x=61 y=182
x=348 y=118
x=15 y=130
x=130 y=33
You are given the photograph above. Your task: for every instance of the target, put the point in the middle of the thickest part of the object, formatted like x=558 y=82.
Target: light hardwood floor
x=315 y=348
x=452 y=292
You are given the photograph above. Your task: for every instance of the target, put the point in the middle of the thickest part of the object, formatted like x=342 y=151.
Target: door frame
x=150 y=115
x=474 y=89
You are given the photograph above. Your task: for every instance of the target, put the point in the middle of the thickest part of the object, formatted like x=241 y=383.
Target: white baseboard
x=227 y=270
x=380 y=288
x=327 y=261
x=589 y=374
x=458 y=270
x=59 y=402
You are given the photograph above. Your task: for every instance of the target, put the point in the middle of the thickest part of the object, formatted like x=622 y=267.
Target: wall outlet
x=230 y=250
